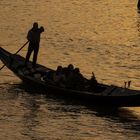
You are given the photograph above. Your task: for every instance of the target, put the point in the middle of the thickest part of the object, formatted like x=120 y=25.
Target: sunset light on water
x=97 y=36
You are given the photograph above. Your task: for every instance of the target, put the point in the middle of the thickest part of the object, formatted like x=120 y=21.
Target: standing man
x=33 y=37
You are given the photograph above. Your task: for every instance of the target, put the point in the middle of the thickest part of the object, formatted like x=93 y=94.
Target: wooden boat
x=104 y=95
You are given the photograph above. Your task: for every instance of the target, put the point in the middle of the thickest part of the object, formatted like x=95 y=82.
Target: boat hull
x=112 y=96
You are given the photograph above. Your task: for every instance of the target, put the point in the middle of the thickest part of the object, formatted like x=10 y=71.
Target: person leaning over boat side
x=33 y=37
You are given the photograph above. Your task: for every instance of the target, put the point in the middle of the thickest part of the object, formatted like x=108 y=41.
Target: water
x=100 y=36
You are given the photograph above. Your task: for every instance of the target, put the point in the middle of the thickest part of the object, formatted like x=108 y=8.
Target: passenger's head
x=70 y=67
x=35 y=25
x=59 y=69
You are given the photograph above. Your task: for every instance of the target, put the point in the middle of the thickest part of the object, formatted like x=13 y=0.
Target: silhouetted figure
x=76 y=81
x=68 y=71
x=138 y=5
x=34 y=39
x=59 y=77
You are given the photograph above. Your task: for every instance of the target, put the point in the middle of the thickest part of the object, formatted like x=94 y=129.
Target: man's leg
x=30 y=49
x=36 y=49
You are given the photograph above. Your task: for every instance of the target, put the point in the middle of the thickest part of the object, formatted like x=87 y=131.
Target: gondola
x=101 y=95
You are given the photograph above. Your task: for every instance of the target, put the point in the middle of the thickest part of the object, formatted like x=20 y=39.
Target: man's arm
x=41 y=29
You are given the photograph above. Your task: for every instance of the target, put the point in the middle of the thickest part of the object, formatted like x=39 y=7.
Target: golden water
x=94 y=35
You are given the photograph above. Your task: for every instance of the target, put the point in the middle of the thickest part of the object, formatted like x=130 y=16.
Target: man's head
x=35 y=25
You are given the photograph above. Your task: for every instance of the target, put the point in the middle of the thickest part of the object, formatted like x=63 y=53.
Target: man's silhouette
x=33 y=37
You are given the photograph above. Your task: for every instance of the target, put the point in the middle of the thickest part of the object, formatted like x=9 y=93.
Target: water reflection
x=30 y=121
x=29 y=106
x=123 y=117
x=39 y=116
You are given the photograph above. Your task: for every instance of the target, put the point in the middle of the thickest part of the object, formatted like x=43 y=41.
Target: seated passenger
x=76 y=81
x=59 y=77
x=68 y=70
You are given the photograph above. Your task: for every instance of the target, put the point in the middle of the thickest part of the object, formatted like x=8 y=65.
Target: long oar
x=16 y=53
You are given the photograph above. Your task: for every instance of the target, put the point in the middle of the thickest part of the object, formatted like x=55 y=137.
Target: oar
x=16 y=53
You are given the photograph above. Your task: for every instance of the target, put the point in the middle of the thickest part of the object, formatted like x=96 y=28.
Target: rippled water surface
x=96 y=35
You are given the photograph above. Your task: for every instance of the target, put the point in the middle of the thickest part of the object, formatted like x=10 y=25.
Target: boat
x=101 y=95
